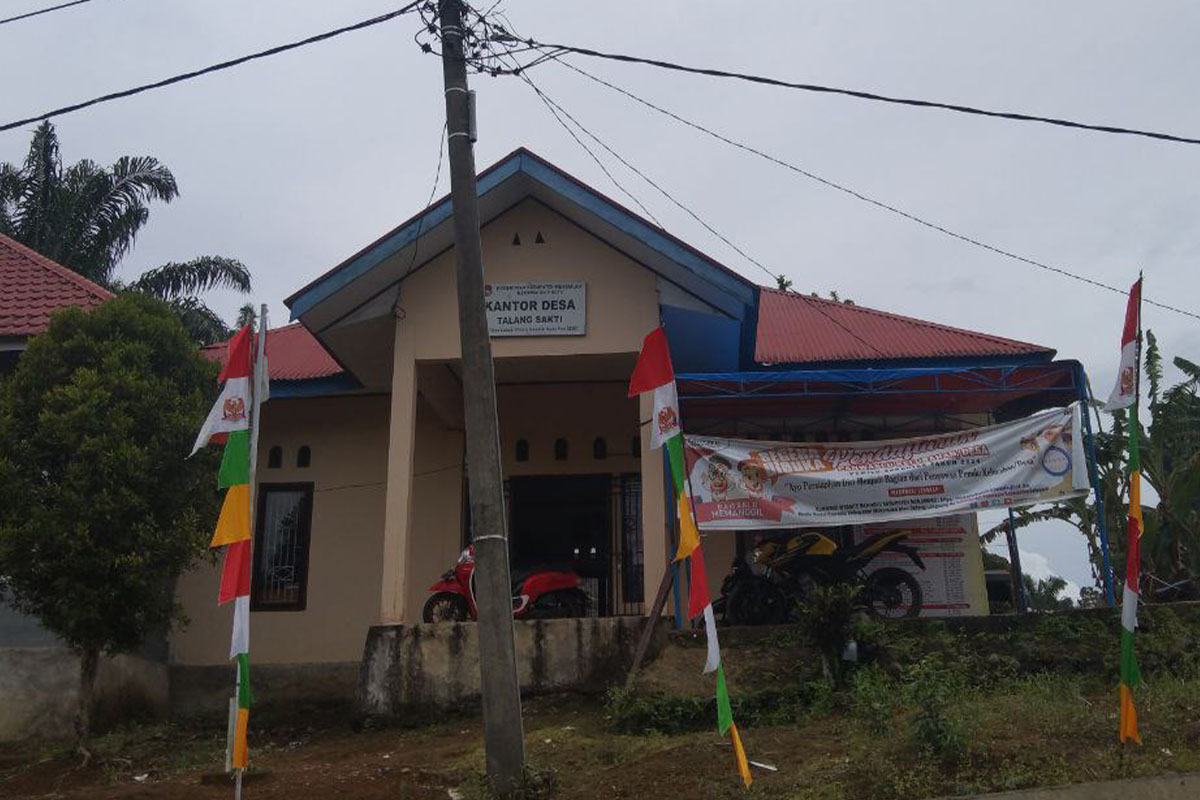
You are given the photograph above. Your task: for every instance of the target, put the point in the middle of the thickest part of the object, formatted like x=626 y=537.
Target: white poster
x=952 y=583
x=536 y=309
x=744 y=484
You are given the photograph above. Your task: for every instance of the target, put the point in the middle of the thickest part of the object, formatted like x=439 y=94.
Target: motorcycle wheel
x=446 y=607
x=756 y=602
x=566 y=604
x=891 y=593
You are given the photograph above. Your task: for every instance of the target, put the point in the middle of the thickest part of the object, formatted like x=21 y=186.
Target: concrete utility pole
x=503 y=736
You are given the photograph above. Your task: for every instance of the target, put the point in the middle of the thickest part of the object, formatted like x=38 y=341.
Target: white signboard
x=536 y=309
x=744 y=484
x=952 y=583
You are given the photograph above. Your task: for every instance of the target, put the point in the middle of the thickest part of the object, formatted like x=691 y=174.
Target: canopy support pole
x=1014 y=566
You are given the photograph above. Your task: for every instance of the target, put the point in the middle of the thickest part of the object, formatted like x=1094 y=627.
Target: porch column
x=654 y=532
x=397 y=518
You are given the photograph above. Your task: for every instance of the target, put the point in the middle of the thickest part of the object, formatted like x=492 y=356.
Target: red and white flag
x=1125 y=392
x=231 y=412
x=654 y=373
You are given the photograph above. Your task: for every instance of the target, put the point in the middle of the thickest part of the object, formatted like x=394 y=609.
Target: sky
x=293 y=163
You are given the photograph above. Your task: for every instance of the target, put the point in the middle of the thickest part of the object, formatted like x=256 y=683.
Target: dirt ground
x=1039 y=734
x=441 y=761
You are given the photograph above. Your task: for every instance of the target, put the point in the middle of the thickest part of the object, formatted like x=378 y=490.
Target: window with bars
x=281 y=544
x=632 y=555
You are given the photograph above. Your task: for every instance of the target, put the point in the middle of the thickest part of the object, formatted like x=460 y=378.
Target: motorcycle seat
x=520 y=574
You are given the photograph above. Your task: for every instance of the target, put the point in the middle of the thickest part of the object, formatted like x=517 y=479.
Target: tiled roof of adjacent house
x=293 y=354
x=32 y=287
x=796 y=328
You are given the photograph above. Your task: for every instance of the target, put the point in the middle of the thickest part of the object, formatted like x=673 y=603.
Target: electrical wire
x=213 y=68
x=437 y=178
x=41 y=11
x=815 y=305
x=862 y=95
x=551 y=106
x=868 y=199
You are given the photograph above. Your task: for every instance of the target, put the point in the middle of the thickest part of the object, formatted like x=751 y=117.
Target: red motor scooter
x=538 y=593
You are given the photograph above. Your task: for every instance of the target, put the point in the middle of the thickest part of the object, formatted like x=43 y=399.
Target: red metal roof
x=797 y=328
x=32 y=287
x=293 y=354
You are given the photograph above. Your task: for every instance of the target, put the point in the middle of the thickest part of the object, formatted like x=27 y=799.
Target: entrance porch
x=573 y=461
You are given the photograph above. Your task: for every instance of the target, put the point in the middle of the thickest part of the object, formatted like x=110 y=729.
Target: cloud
x=1037 y=566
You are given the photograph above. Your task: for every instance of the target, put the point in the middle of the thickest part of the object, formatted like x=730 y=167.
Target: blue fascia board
x=314 y=387
x=906 y=363
x=395 y=242
x=867 y=375
x=742 y=292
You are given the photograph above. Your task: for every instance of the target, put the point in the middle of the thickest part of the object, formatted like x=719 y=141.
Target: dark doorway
x=565 y=519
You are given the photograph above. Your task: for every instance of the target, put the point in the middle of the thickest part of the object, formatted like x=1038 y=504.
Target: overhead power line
x=39 y=12
x=862 y=95
x=556 y=109
x=320 y=37
x=868 y=199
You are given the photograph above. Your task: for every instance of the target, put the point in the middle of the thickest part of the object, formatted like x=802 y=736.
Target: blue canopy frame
x=1003 y=390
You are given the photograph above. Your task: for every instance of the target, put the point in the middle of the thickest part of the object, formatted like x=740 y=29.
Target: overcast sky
x=292 y=163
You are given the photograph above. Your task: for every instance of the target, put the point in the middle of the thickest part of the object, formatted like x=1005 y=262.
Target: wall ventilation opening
x=275 y=457
x=560 y=449
x=522 y=449
x=303 y=457
x=599 y=449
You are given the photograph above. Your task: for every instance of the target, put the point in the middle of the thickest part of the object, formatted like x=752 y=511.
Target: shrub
x=873 y=698
x=932 y=689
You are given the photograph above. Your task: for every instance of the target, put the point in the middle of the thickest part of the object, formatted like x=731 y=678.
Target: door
x=564 y=519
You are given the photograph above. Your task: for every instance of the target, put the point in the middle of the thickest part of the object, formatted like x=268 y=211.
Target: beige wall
x=622 y=295
x=423 y=531
x=437 y=508
x=348 y=437
x=577 y=412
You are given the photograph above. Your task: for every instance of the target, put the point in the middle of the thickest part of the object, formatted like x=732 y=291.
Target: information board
x=536 y=309
x=952 y=583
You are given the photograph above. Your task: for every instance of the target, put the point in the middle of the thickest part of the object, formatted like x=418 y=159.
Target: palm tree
x=86 y=217
x=1043 y=595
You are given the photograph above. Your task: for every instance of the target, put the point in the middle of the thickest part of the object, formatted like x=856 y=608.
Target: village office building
x=361 y=485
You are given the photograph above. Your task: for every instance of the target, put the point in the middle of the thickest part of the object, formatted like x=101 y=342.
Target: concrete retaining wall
x=410 y=669
x=204 y=692
x=39 y=691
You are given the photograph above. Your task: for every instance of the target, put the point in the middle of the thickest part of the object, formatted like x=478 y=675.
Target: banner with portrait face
x=741 y=484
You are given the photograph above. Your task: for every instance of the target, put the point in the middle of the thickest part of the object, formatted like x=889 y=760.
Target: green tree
x=1043 y=594
x=1170 y=453
x=86 y=217
x=101 y=510
x=247 y=315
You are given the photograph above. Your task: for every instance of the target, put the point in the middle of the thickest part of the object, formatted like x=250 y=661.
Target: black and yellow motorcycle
x=784 y=572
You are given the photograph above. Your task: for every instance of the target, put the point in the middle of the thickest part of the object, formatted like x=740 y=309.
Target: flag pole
x=258 y=382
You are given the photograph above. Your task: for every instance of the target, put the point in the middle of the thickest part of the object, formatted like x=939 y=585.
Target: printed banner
x=743 y=484
x=952 y=583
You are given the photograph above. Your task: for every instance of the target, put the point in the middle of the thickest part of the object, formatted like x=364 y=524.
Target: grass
x=941 y=710
x=938 y=730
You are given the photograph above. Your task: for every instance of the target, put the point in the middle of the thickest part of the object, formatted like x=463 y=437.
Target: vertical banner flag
x=1125 y=395
x=230 y=419
x=654 y=373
